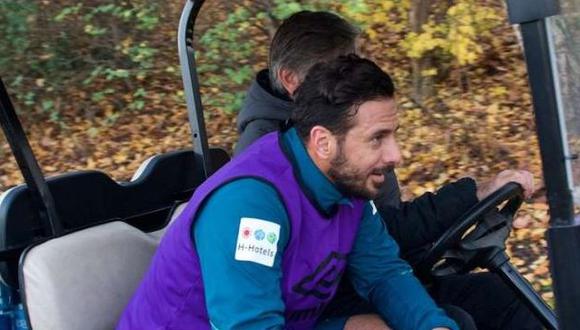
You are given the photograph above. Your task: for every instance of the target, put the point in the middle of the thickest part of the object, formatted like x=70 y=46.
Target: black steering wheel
x=459 y=250
x=478 y=240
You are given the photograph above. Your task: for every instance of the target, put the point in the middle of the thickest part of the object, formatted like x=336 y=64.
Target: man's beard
x=350 y=181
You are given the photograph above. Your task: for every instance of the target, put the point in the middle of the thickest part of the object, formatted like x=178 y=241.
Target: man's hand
x=524 y=178
x=365 y=322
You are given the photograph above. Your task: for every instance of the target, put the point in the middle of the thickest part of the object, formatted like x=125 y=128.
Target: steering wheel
x=460 y=250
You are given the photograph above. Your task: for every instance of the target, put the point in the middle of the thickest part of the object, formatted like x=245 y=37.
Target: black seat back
x=87 y=198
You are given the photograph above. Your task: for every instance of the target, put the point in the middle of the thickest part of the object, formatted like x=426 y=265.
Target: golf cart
x=76 y=255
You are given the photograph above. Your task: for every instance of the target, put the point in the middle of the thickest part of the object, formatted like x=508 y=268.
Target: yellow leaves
x=372 y=34
x=91 y=163
x=493 y=109
x=470 y=13
x=417 y=45
x=459 y=35
x=49 y=169
x=429 y=72
x=466 y=29
x=120 y=158
x=463 y=43
x=386 y=6
x=464 y=49
x=379 y=16
x=498 y=91
x=372 y=14
x=468 y=23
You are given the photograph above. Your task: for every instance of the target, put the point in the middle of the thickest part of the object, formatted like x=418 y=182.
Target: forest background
x=97 y=85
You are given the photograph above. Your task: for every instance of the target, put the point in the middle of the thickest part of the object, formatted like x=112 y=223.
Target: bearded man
x=264 y=242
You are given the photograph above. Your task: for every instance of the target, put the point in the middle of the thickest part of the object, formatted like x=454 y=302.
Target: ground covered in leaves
x=480 y=123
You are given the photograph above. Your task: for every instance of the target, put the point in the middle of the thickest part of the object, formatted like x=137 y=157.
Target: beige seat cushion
x=85 y=279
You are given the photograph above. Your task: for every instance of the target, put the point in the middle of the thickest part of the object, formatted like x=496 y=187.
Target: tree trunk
x=422 y=85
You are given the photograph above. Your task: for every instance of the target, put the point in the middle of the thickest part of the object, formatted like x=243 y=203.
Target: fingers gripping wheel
x=480 y=231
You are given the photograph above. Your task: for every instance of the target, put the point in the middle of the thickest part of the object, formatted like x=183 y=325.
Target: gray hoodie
x=264 y=111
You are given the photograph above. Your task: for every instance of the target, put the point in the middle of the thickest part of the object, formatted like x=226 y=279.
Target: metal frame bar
x=524 y=290
x=564 y=231
x=191 y=83
x=33 y=176
x=542 y=83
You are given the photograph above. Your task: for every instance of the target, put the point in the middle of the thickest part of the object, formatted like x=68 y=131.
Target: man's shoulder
x=243 y=201
x=243 y=188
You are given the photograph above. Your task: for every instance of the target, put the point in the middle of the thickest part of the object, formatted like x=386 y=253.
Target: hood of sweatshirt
x=263 y=102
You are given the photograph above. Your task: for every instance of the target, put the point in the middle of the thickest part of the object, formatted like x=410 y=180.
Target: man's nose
x=392 y=153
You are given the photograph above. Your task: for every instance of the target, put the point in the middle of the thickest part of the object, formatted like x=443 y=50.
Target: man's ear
x=322 y=143
x=289 y=80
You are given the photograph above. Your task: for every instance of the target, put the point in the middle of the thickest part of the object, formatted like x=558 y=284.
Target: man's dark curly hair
x=333 y=91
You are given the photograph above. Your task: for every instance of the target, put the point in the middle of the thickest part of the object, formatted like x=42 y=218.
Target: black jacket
x=413 y=224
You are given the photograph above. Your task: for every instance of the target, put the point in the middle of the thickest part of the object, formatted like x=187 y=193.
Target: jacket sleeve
x=253 y=131
x=242 y=289
x=387 y=282
x=423 y=220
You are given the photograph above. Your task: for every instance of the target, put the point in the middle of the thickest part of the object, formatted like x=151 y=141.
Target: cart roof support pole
x=191 y=82
x=36 y=184
x=564 y=231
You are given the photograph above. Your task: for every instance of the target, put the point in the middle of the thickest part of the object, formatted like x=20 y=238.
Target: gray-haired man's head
x=304 y=39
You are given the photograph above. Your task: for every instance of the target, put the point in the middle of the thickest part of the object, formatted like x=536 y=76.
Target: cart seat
x=89 y=198
x=84 y=280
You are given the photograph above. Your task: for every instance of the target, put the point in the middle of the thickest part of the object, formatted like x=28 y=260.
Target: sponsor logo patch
x=257 y=240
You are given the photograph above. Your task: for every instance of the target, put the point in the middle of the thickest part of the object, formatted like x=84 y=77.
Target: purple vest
x=171 y=294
